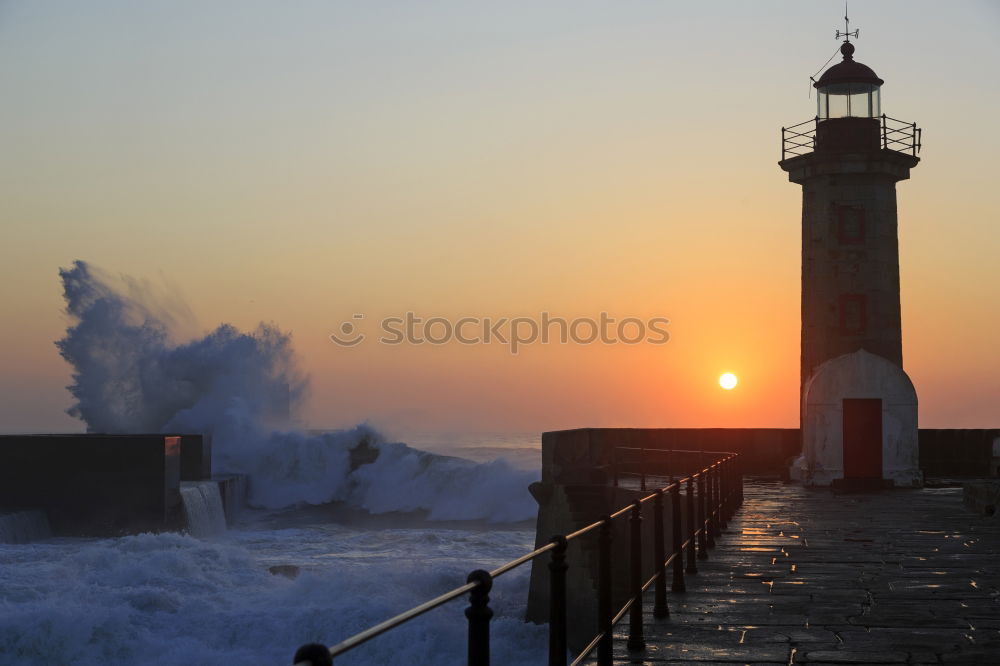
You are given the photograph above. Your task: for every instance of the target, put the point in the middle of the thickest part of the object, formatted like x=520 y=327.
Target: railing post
x=660 y=605
x=642 y=469
x=557 y=602
x=723 y=495
x=739 y=481
x=675 y=525
x=705 y=540
x=730 y=487
x=604 y=616
x=914 y=145
x=713 y=526
x=692 y=565
x=636 y=641
x=316 y=653
x=885 y=134
x=782 y=143
x=720 y=496
x=479 y=614
x=717 y=500
x=735 y=476
x=713 y=507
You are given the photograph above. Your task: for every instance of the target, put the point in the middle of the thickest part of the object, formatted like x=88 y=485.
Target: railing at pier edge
x=897 y=135
x=712 y=494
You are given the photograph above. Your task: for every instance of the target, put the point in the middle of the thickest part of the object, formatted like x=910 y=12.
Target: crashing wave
x=237 y=387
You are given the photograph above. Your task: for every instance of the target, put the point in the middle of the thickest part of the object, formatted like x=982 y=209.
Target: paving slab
x=804 y=576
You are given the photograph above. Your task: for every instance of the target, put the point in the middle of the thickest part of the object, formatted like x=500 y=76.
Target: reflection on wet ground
x=806 y=576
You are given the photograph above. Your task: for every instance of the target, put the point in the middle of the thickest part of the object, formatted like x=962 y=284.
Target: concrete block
x=93 y=485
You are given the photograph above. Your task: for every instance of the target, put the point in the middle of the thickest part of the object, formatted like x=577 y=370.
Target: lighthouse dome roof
x=848 y=71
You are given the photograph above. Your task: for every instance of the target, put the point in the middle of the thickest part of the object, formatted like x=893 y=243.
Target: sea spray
x=131 y=375
x=405 y=479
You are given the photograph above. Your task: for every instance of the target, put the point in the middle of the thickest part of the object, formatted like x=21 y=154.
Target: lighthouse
x=858 y=407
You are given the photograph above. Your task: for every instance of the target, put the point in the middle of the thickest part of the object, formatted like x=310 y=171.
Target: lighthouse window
x=853 y=314
x=836 y=106
x=850 y=225
x=849 y=100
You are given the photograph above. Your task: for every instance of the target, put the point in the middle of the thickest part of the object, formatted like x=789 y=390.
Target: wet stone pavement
x=803 y=576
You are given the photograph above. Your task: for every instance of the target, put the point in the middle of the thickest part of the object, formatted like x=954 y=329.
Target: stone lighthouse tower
x=858 y=407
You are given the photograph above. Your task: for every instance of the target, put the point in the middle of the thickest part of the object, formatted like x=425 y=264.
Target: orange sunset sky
x=302 y=162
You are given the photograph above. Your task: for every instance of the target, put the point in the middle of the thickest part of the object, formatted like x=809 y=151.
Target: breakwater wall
x=586 y=455
x=108 y=485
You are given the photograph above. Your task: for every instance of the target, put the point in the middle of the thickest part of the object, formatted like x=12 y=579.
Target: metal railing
x=655 y=465
x=901 y=136
x=798 y=139
x=712 y=495
x=897 y=135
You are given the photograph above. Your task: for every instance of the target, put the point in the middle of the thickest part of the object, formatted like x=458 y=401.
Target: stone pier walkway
x=808 y=577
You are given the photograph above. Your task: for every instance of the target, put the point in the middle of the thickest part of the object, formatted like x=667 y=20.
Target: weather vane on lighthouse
x=848 y=33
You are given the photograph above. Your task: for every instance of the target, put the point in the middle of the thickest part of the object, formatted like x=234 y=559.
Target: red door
x=862 y=438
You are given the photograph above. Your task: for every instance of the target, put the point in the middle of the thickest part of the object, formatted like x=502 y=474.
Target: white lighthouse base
x=826 y=456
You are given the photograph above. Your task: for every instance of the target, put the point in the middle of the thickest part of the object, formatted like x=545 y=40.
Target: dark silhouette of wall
x=586 y=455
x=196 y=457
x=958 y=452
x=94 y=484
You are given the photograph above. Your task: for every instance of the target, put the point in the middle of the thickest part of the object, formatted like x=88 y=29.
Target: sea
x=333 y=542
x=440 y=507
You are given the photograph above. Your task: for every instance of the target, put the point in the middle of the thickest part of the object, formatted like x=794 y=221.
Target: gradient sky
x=300 y=162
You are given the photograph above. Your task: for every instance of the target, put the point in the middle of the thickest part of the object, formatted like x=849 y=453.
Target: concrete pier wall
x=107 y=485
x=584 y=455
x=196 y=457
x=960 y=452
x=24 y=526
x=233 y=490
x=570 y=508
x=94 y=485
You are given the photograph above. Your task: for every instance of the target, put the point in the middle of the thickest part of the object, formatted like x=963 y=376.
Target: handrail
x=719 y=494
x=617 y=465
x=894 y=134
x=382 y=627
x=698 y=451
x=513 y=564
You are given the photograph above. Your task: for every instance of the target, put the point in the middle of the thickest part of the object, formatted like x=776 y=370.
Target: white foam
x=203 y=508
x=404 y=479
x=173 y=599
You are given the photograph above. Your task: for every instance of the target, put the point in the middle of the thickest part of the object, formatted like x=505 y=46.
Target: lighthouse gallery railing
x=712 y=495
x=897 y=135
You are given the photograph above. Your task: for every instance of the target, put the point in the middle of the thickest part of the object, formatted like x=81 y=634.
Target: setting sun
x=728 y=381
